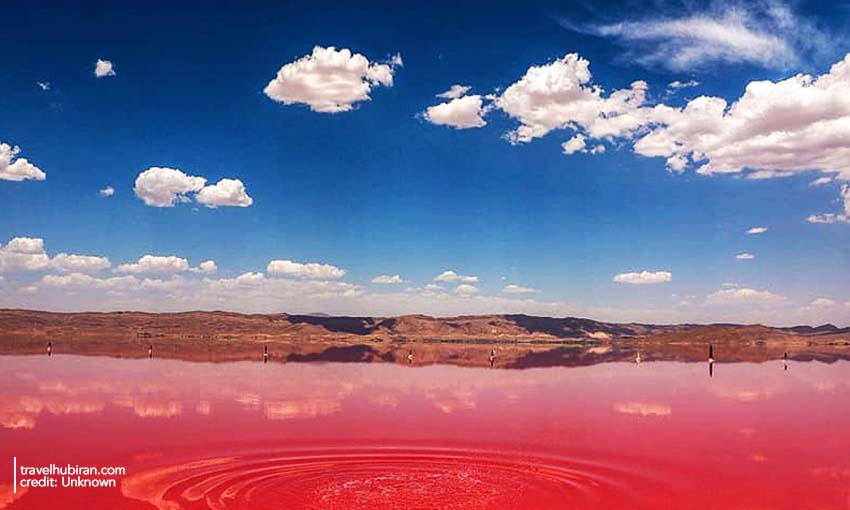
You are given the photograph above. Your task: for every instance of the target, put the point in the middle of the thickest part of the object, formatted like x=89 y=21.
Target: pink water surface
x=378 y=436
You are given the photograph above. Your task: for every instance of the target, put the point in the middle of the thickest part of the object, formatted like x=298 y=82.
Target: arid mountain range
x=520 y=340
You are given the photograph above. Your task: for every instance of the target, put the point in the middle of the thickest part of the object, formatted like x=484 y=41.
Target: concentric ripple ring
x=389 y=478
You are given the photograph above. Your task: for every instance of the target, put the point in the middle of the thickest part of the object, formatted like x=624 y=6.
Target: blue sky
x=388 y=187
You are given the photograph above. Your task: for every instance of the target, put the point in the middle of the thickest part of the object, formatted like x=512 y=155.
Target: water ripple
x=391 y=478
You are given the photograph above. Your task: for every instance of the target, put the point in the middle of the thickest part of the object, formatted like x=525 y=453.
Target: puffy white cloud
x=460 y=113
x=329 y=80
x=207 y=266
x=775 y=129
x=13 y=168
x=104 y=68
x=745 y=256
x=163 y=187
x=43 y=85
x=24 y=254
x=743 y=296
x=84 y=281
x=756 y=230
x=465 y=288
x=644 y=277
x=455 y=92
x=311 y=270
x=559 y=95
x=574 y=144
x=451 y=276
x=27 y=245
x=79 y=263
x=794 y=125
x=226 y=192
x=107 y=191
x=518 y=289
x=154 y=264
x=28 y=254
x=387 y=279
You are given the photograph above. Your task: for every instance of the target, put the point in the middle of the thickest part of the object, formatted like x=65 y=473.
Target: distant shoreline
x=518 y=340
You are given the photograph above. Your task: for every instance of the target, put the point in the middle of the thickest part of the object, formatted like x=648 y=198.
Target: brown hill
x=522 y=340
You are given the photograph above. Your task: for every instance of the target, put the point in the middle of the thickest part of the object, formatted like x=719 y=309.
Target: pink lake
x=326 y=436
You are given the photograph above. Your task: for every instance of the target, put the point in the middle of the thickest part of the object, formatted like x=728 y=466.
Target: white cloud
x=163 y=187
x=84 y=281
x=107 y=191
x=776 y=128
x=24 y=254
x=574 y=144
x=460 y=113
x=828 y=218
x=743 y=296
x=821 y=181
x=598 y=149
x=518 y=289
x=745 y=256
x=329 y=80
x=455 y=92
x=559 y=95
x=154 y=264
x=757 y=230
x=27 y=245
x=79 y=263
x=13 y=168
x=767 y=34
x=43 y=85
x=245 y=279
x=822 y=302
x=311 y=270
x=465 y=289
x=387 y=279
x=226 y=192
x=451 y=276
x=104 y=68
x=172 y=284
x=678 y=85
x=836 y=218
x=644 y=277
x=207 y=266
